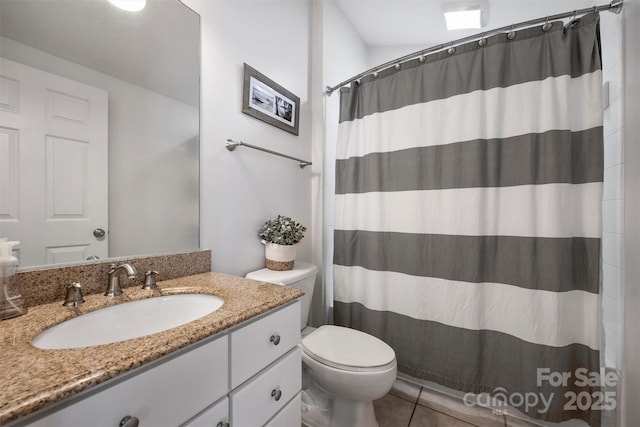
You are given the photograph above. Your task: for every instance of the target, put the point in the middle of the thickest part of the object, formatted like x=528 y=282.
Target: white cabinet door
x=289 y=416
x=259 y=343
x=263 y=396
x=166 y=395
x=53 y=165
x=216 y=416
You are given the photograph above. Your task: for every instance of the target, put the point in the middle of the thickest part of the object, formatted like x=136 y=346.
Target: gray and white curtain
x=468 y=217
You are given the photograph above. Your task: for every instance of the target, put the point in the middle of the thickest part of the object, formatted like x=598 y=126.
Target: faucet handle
x=150 y=280
x=74 y=295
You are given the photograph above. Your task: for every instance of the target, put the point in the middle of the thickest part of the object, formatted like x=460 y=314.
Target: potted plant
x=280 y=236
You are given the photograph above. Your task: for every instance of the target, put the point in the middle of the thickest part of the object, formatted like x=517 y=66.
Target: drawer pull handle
x=129 y=421
x=222 y=424
x=276 y=393
x=275 y=339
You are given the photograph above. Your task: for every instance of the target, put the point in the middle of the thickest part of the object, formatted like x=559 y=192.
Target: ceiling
x=421 y=22
x=157 y=48
x=122 y=43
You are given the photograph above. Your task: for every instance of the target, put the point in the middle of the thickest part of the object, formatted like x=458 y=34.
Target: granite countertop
x=32 y=378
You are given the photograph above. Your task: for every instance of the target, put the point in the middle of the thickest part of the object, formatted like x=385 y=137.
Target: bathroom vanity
x=239 y=365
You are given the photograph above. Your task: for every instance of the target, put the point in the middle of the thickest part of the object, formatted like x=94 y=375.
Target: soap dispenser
x=11 y=299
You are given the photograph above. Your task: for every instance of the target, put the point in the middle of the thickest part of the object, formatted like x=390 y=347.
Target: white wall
x=377 y=55
x=239 y=190
x=319 y=310
x=153 y=173
x=344 y=55
x=153 y=152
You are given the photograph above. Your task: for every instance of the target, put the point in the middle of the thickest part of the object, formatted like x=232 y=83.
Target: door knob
x=99 y=233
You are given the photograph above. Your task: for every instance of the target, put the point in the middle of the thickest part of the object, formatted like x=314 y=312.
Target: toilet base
x=342 y=413
x=320 y=409
x=313 y=414
x=349 y=413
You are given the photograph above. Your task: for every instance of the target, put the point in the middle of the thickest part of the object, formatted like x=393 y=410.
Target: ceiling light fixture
x=129 y=5
x=466 y=15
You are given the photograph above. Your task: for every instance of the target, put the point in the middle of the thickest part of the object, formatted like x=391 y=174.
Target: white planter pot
x=279 y=257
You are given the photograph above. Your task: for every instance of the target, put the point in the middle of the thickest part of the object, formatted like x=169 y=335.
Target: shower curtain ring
x=571 y=21
x=397 y=66
x=547 y=25
x=451 y=50
x=511 y=34
x=482 y=41
x=422 y=58
x=375 y=74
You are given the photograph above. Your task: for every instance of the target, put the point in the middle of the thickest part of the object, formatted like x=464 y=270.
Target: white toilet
x=352 y=367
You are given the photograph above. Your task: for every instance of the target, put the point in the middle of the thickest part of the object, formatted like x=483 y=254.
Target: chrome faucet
x=113 y=288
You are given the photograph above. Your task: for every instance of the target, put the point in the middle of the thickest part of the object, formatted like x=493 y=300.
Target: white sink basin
x=129 y=320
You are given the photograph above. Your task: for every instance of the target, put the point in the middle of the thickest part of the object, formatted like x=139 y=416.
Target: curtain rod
x=615 y=7
x=231 y=145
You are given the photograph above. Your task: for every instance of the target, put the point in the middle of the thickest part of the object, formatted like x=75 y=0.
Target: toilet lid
x=346 y=348
x=301 y=270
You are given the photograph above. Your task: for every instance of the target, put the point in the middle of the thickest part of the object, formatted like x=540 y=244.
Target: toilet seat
x=348 y=349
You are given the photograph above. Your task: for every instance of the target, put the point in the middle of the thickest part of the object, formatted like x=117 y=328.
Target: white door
x=53 y=165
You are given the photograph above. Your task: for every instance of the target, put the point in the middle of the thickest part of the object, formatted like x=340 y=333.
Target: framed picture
x=266 y=100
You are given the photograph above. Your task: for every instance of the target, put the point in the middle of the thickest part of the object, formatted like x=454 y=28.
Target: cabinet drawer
x=289 y=416
x=217 y=415
x=165 y=395
x=259 y=343
x=258 y=400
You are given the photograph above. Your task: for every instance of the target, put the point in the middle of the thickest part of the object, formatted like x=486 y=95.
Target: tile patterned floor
x=409 y=405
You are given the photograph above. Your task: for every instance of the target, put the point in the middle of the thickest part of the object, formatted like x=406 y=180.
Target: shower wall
x=613 y=195
x=630 y=390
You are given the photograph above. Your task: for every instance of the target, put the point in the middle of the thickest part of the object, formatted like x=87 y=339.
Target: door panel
x=53 y=154
x=8 y=174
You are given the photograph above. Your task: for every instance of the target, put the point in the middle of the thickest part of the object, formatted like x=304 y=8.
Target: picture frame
x=266 y=100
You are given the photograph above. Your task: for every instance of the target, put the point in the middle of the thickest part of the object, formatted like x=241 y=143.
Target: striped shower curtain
x=468 y=217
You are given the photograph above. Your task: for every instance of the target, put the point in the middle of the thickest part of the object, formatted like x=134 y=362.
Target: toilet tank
x=303 y=277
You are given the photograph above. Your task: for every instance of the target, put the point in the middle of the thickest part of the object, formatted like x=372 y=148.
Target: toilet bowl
x=352 y=367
